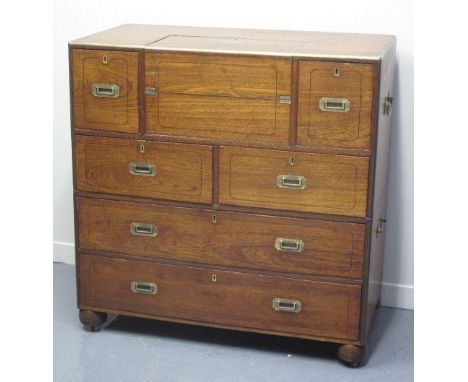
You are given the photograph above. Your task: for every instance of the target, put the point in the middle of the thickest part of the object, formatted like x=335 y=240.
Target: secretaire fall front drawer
x=221 y=297
x=218 y=96
x=318 y=183
x=172 y=171
x=105 y=90
x=287 y=245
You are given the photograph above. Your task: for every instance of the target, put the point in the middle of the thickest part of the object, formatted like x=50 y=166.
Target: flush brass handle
x=142 y=229
x=340 y=105
x=291 y=181
x=106 y=90
x=143 y=287
x=142 y=169
x=284 y=305
x=289 y=245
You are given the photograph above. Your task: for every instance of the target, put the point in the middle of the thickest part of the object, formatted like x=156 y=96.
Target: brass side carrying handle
x=291 y=181
x=387 y=106
x=106 y=90
x=284 y=305
x=340 y=105
x=142 y=229
x=143 y=287
x=145 y=169
x=289 y=245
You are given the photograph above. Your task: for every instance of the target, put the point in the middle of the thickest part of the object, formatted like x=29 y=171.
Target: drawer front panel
x=172 y=171
x=223 y=97
x=237 y=240
x=282 y=180
x=219 y=297
x=335 y=104
x=105 y=90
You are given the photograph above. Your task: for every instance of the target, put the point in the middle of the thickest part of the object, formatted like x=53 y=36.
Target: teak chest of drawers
x=232 y=178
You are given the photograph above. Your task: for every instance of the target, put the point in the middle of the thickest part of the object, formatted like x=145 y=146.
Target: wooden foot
x=92 y=320
x=351 y=355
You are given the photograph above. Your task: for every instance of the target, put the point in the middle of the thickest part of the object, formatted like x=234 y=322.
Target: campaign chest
x=232 y=178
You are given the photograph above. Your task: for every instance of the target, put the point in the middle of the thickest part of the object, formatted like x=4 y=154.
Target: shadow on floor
x=381 y=322
x=232 y=338
x=223 y=337
x=256 y=341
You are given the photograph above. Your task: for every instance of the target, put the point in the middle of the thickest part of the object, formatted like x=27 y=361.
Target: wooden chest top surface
x=346 y=46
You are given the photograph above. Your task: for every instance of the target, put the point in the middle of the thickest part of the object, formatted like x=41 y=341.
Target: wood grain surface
x=183 y=172
x=113 y=114
x=335 y=184
x=355 y=83
x=238 y=240
x=220 y=297
x=226 y=97
x=218 y=138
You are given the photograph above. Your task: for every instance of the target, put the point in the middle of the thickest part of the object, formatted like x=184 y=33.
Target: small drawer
x=171 y=171
x=219 y=97
x=331 y=184
x=309 y=247
x=105 y=90
x=335 y=104
x=238 y=300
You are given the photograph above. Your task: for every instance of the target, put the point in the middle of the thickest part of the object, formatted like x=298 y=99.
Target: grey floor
x=137 y=350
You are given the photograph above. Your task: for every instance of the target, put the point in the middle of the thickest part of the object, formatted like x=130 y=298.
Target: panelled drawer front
x=335 y=104
x=320 y=183
x=220 y=297
x=172 y=171
x=236 y=240
x=213 y=96
x=105 y=90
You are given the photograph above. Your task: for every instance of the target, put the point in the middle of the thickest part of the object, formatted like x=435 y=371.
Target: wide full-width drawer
x=289 y=245
x=173 y=171
x=105 y=90
x=215 y=96
x=331 y=184
x=236 y=299
x=335 y=104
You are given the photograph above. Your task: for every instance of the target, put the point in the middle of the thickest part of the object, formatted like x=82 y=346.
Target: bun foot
x=351 y=355
x=92 y=320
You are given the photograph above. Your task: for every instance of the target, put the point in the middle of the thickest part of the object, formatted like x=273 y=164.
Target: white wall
x=73 y=19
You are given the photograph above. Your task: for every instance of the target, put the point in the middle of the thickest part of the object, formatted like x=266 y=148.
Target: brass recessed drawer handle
x=142 y=229
x=106 y=90
x=340 y=105
x=284 y=305
x=289 y=245
x=291 y=181
x=142 y=169
x=143 y=287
